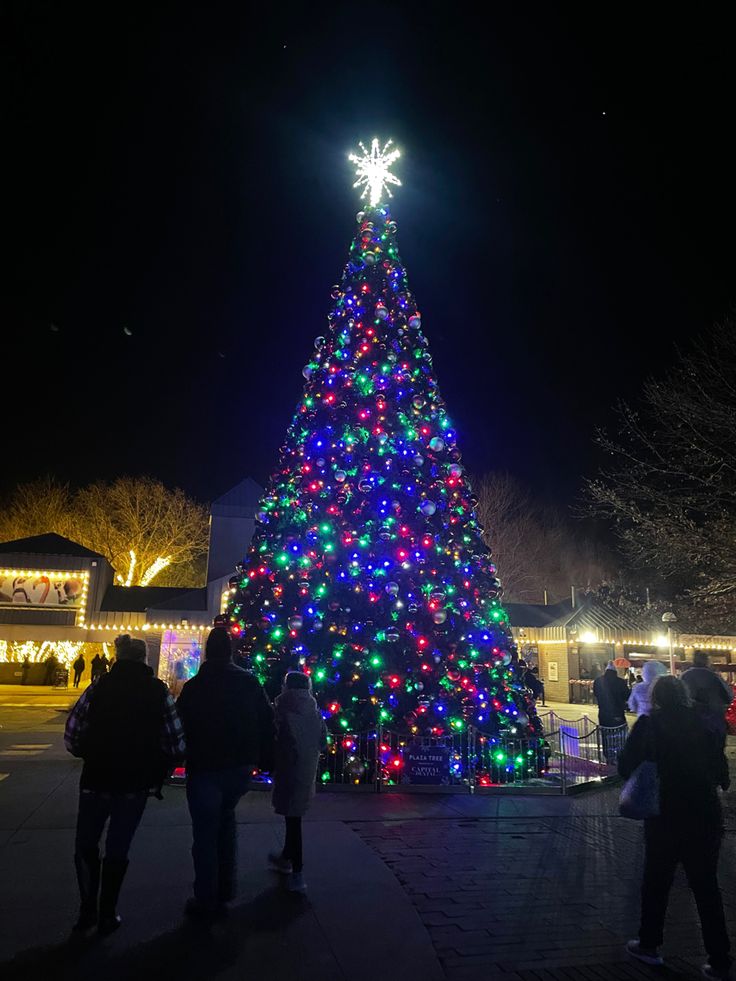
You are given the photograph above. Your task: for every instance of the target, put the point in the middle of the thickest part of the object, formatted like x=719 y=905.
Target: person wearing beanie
x=611 y=693
x=228 y=723
x=301 y=735
x=126 y=729
x=688 y=830
x=640 y=699
x=711 y=696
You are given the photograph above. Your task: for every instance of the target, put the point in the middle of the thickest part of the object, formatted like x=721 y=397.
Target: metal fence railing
x=504 y=762
x=570 y=753
x=350 y=760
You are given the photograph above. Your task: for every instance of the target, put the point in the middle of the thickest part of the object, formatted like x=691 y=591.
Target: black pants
x=124 y=812
x=613 y=736
x=697 y=848
x=293 y=842
x=212 y=796
x=77 y=678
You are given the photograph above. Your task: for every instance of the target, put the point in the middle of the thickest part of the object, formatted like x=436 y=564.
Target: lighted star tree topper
x=368 y=568
x=373 y=171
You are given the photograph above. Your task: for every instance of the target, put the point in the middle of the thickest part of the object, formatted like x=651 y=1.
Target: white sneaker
x=296 y=883
x=277 y=863
x=647 y=955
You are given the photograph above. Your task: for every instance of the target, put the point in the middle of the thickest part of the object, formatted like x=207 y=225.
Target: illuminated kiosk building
x=58 y=597
x=572 y=641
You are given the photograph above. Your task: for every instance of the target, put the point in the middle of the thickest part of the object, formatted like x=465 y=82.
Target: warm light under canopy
x=373 y=171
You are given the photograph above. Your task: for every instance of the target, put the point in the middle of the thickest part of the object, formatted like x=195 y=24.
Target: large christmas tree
x=368 y=567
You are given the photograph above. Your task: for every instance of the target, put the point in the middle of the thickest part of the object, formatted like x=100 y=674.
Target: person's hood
x=298 y=700
x=653 y=670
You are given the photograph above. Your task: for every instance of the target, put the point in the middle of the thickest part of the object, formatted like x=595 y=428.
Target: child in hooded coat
x=301 y=736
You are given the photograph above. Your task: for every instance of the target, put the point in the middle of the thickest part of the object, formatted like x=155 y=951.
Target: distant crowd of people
x=130 y=733
x=615 y=695
x=681 y=728
x=99 y=665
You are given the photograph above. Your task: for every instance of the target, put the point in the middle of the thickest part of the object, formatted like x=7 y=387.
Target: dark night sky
x=566 y=219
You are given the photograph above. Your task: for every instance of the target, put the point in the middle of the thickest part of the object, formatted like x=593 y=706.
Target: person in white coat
x=640 y=699
x=301 y=736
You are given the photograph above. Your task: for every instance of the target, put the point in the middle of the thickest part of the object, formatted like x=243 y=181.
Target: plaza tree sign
x=427 y=764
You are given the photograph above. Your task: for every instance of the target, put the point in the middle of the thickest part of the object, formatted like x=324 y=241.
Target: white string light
x=154 y=568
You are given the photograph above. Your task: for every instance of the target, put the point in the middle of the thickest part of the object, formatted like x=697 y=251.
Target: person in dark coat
x=95 y=668
x=530 y=680
x=710 y=695
x=611 y=694
x=301 y=735
x=691 y=766
x=50 y=669
x=228 y=723
x=126 y=729
x=78 y=666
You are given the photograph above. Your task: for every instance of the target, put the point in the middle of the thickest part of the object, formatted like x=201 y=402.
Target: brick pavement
x=529 y=900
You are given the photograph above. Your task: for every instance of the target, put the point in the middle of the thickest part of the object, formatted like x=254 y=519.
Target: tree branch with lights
x=149 y=533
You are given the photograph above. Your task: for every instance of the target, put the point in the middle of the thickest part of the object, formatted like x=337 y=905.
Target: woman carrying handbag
x=673 y=767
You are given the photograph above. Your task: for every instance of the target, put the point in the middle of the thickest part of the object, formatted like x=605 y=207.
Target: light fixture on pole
x=669 y=618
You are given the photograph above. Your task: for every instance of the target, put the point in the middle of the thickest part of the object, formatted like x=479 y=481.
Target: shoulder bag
x=640 y=795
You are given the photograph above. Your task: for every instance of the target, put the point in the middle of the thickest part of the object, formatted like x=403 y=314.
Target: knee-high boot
x=87 y=865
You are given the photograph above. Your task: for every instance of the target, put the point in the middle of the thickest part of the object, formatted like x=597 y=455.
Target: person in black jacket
x=530 y=680
x=228 y=723
x=126 y=729
x=79 y=665
x=710 y=694
x=51 y=667
x=611 y=694
x=691 y=766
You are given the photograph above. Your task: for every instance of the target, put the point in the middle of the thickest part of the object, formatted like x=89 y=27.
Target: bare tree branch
x=533 y=547
x=670 y=489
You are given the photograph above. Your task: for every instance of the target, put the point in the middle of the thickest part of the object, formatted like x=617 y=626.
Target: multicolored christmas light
x=368 y=567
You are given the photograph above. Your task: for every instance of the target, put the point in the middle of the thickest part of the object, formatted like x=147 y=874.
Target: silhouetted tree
x=670 y=488
x=534 y=547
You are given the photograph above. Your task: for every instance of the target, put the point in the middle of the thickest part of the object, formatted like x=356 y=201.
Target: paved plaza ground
x=457 y=887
